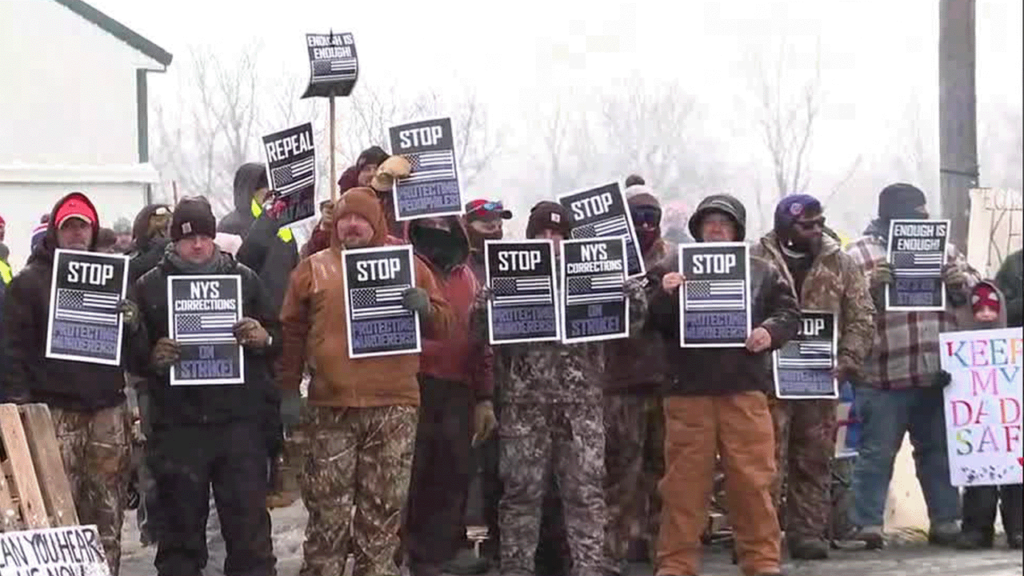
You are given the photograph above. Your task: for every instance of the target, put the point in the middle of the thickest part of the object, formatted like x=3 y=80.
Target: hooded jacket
x=637 y=364
x=146 y=252
x=460 y=357
x=31 y=377
x=965 y=315
x=314 y=323
x=718 y=371
x=187 y=405
x=833 y=284
x=262 y=248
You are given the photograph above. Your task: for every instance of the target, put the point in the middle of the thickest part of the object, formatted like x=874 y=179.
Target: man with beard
x=87 y=401
x=484 y=220
x=456 y=412
x=825 y=280
x=633 y=418
x=205 y=435
x=898 y=392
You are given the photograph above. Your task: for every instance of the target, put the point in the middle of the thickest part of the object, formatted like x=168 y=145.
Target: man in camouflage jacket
x=825 y=280
x=552 y=421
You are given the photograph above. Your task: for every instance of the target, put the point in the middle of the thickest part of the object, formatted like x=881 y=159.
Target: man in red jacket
x=456 y=412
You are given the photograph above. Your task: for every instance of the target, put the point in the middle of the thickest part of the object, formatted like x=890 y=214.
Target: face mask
x=647 y=238
x=441 y=247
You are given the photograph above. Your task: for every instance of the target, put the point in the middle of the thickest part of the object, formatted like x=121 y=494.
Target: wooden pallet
x=34 y=489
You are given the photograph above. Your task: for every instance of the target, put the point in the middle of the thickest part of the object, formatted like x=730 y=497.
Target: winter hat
x=985 y=294
x=38 y=233
x=193 y=216
x=76 y=206
x=726 y=204
x=634 y=180
x=791 y=207
x=899 y=201
x=548 y=215
x=363 y=202
x=373 y=155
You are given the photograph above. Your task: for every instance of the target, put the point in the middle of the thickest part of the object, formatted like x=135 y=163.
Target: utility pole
x=958 y=124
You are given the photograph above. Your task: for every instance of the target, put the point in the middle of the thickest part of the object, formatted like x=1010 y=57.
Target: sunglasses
x=808 y=225
x=488 y=207
x=646 y=216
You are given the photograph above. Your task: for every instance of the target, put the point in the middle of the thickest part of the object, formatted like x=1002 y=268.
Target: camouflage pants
x=565 y=441
x=354 y=483
x=94 y=448
x=804 y=449
x=635 y=462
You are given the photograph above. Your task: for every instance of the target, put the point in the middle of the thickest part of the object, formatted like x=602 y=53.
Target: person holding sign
x=86 y=400
x=988 y=312
x=716 y=403
x=456 y=410
x=825 y=280
x=362 y=413
x=552 y=420
x=897 y=393
x=207 y=434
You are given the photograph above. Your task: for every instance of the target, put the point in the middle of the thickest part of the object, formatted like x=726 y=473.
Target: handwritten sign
x=983 y=406
x=84 y=323
x=70 y=551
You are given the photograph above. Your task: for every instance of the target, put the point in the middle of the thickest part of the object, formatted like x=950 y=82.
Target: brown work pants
x=739 y=428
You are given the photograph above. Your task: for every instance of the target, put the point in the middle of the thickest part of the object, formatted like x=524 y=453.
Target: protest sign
x=375 y=281
x=803 y=366
x=84 y=323
x=983 y=406
x=291 y=172
x=333 y=65
x=68 y=551
x=432 y=187
x=594 y=301
x=917 y=252
x=714 y=310
x=203 y=311
x=602 y=213
x=521 y=276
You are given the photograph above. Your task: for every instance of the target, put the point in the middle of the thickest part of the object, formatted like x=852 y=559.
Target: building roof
x=118 y=30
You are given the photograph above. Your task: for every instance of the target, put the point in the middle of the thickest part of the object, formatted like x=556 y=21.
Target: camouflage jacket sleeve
x=858 y=311
x=781 y=309
x=636 y=294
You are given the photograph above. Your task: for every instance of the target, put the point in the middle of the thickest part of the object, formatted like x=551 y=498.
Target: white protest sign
x=983 y=406
x=69 y=551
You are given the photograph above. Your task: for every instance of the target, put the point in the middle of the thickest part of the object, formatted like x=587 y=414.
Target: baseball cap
x=75 y=207
x=481 y=208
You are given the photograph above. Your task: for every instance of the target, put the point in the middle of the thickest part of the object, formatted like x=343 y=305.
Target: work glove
x=251 y=333
x=954 y=277
x=130 y=315
x=165 y=353
x=484 y=422
x=274 y=206
x=416 y=300
x=392 y=168
x=881 y=276
x=942 y=379
x=327 y=221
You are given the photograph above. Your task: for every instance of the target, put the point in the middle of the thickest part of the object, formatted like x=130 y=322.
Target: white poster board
x=68 y=551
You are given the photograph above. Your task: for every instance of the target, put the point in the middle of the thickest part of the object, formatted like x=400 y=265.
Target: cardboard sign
x=602 y=213
x=714 y=306
x=594 y=305
x=521 y=276
x=983 y=406
x=291 y=172
x=84 y=324
x=432 y=187
x=375 y=281
x=333 y=65
x=69 y=551
x=803 y=367
x=203 y=311
x=917 y=252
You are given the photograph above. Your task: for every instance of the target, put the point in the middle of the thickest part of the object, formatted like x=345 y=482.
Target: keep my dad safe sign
x=714 y=309
x=983 y=406
x=375 y=283
x=521 y=276
x=68 y=551
x=203 y=311
x=84 y=322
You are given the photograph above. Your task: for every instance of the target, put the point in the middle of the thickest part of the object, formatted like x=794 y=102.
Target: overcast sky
x=877 y=56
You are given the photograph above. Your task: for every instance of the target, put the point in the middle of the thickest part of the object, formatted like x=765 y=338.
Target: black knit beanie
x=900 y=200
x=193 y=217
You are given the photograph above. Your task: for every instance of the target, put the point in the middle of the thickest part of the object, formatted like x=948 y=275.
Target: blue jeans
x=887 y=415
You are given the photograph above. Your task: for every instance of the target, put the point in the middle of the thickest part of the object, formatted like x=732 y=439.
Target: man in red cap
x=87 y=401
x=484 y=221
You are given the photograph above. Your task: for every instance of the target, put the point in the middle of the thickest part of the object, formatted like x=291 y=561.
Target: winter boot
x=872 y=536
x=974 y=540
x=1015 y=541
x=465 y=563
x=945 y=534
x=808 y=549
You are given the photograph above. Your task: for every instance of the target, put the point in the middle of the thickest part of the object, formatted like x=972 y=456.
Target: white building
x=73 y=113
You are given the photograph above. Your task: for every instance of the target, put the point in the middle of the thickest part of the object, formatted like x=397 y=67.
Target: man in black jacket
x=87 y=401
x=207 y=434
